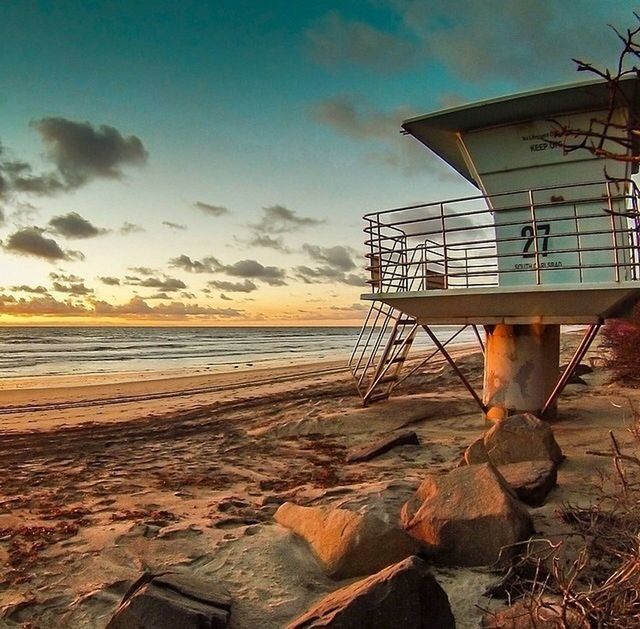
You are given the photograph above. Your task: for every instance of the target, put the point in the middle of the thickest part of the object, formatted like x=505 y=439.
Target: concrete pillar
x=521 y=367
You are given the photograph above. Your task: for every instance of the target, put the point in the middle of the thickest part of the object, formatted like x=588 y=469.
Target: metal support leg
x=475 y=329
x=455 y=367
x=582 y=349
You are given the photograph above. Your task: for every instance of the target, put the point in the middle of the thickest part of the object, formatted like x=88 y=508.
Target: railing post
x=614 y=231
x=444 y=246
x=535 y=235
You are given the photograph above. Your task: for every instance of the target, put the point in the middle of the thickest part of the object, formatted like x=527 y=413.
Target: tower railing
x=579 y=234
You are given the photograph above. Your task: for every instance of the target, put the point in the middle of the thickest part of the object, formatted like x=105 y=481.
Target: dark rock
x=467 y=517
x=580 y=370
x=370 y=451
x=404 y=595
x=521 y=438
x=172 y=601
x=531 y=480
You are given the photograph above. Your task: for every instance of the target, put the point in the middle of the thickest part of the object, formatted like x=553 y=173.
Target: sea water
x=43 y=351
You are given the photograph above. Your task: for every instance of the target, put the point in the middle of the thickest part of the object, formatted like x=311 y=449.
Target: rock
x=465 y=517
x=170 y=601
x=521 y=438
x=581 y=370
x=531 y=480
x=347 y=543
x=534 y=614
x=403 y=595
x=372 y=450
x=476 y=453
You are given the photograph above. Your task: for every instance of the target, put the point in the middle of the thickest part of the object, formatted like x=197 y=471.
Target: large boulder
x=348 y=543
x=546 y=613
x=531 y=480
x=170 y=601
x=513 y=439
x=467 y=516
x=403 y=595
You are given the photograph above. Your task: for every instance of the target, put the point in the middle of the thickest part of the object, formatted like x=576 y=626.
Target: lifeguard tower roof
x=439 y=131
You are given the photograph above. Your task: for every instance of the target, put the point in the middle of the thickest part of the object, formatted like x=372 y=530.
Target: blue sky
x=240 y=106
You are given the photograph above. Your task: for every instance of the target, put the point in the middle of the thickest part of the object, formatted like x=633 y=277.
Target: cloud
x=225 y=298
x=334 y=41
x=234 y=287
x=254 y=270
x=78 y=289
x=74 y=226
x=131 y=228
x=39 y=290
x=184 y=262
x=337 y=257
x=327 y=274
x=143 y=270
x=137 y=306
x=168 y=284
x=268 y=242
x=64 y=277
x=380 y=130
x=211 y=210
x=109 y=281
x=82 y=152
x=24 y=214
x=2 y=217
x=29 y=241
x=277 y=219
x=176 y=226
x=532 y=42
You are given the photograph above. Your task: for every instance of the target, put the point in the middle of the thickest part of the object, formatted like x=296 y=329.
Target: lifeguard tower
x=553 y=239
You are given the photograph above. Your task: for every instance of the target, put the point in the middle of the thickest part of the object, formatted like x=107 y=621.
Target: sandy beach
x=103 y=479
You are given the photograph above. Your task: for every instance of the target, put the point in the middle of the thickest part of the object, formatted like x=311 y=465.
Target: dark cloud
x=39 y=290
x=530 y=43
x=268 y=242
x=82 y=152
x=176 y=226
x=41 y=305
x=278 y=219
x=211 y=210
x=64 y=277
x=167 y=284
x=131 y=228
x=79 y=152
x=327 y=274
x=143 y=270
x=30 y=241
x=72 y=289
x=234 y=287
x=137 y=306
x=334 y=41
x=184 y=262
x=2 y=217
x=381 y=133
x=252 y=269
x=72 y=225
x=109 y=281
x=337 y=257
x=225 y=298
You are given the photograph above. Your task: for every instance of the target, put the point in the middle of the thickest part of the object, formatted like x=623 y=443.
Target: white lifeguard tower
x=553 y=239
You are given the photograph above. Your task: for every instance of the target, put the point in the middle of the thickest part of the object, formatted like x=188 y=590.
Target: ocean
x=45 y=351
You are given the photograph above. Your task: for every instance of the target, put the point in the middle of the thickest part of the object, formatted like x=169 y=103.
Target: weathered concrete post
x=521 y=368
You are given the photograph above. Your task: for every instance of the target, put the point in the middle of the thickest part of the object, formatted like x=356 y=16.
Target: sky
x=209 y=163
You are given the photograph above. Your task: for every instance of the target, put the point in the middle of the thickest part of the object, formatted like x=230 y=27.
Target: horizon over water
x=62 y=350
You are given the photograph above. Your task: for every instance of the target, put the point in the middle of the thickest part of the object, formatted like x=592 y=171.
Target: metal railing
x=569 y=234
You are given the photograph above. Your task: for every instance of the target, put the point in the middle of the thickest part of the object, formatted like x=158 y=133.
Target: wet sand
x=99 y=481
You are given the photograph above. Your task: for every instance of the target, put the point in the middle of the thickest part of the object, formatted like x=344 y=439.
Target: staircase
x=380 y=351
